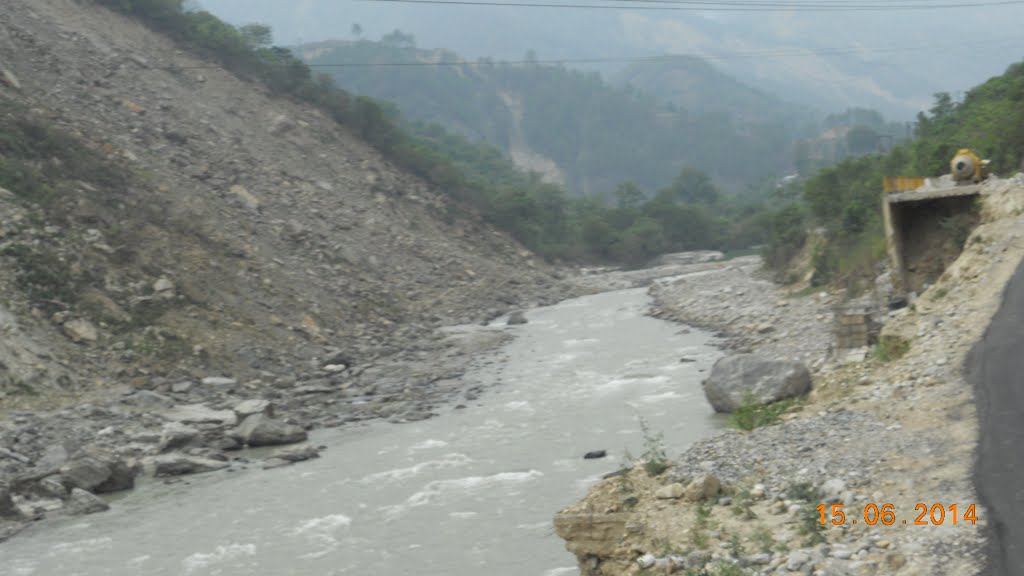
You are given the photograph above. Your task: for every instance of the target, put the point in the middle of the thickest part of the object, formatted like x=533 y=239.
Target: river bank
x=898 y=431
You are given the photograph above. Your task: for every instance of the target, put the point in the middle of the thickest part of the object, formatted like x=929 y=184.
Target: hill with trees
x=845 y=199
x=597 y=133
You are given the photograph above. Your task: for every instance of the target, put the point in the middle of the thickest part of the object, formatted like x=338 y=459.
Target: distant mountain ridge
x=573 y=126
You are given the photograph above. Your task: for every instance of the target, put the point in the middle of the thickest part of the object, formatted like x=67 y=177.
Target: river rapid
x=472 y=491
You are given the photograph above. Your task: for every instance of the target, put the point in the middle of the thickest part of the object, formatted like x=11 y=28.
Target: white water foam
x=427 y=445
x=80 y=546
x=453 y=460
x=222 y=553
x=461 y=486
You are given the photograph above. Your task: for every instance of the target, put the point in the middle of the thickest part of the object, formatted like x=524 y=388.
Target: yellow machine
x=966 y=167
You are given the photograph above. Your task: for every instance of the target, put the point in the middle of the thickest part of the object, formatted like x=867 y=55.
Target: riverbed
x=470 y=492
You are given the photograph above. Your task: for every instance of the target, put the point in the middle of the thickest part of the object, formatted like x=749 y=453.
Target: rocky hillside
x=896 y=428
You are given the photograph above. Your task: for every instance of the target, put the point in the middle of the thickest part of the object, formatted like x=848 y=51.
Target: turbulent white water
x=470 y=492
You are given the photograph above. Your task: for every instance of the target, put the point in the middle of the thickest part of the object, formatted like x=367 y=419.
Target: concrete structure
x=919 y=244
x=855 y=328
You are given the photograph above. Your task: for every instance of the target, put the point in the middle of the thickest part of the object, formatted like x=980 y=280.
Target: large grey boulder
x=82 y=502
x=7 y=507
x=97 y=471
x=179 y=464
x=261 y=430
x=733 y=377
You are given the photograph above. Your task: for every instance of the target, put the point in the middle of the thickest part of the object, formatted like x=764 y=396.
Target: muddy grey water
x=469 y=492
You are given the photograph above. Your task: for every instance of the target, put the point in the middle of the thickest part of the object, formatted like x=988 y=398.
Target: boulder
x=702 y=488
x=670 y=492
x=7 y=507
x=595 y=454
x=97 y=471
x=83 y=502
x=81 y=331
x=148 y=400
x=733 y=377
x=178 y=464
x=516 y=318
x=261 y=430
x=247 y=408
x=175 y=435
x=200 y=414
x=296 y=453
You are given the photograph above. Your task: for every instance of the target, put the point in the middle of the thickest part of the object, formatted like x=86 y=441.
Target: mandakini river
x=470 y=492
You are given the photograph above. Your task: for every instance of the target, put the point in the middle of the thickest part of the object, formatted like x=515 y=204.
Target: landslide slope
x=201 y=225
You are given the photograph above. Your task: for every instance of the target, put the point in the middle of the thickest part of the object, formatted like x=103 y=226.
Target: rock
x=10 y=79
x=295 y=453
x=832 y=490
x=646 y=561
x=281 y=125
x=733 y=377
x=670 y=492
x=260 y=430
x=85 y=472
x=5 y=453
x=175 y=435
x=52 y=486
x=182 y=387
x=83 y=502
x=758 y=491
x=595 y=454
x=179 y=464
x=247 y=199
x=54 y=456
x=101 y=307
x=796 y=560
x=80 y=330
x=148 y=400
x=7 y=507
x=219 y=381
x=163 y=285
x=254 y=406
x=335 y=368
x=516 y=318
x=703 y=487
x=200 y=414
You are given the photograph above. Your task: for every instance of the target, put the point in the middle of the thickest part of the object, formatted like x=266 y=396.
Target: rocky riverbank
x=897 y=430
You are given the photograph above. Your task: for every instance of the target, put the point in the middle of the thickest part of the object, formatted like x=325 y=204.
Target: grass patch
x=655 y=459
x=751 y=414
x=891 y=348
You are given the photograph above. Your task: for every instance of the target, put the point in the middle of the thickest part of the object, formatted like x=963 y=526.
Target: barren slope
x=276 y=227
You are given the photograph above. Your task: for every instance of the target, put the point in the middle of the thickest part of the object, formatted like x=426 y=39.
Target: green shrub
x=891 y=348
x=751 y=414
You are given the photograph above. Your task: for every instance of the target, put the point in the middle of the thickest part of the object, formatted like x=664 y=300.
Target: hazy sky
x=891 y=60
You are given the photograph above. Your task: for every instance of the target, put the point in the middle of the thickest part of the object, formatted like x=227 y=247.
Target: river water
x=470 y=492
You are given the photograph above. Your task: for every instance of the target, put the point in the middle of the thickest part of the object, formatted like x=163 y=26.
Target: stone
x=254 y=406
x=182 y=387
x=85 y=472
x=516 y=318
x=281 y=125
x=832 y=490
x=163 y=285
x=734 y=377
x=180 y=464
x=101 y=307
x=148 y=400
x=335 y=368
x=796 y=560
x=296 y=453
x=10 y=79
x=758 y=491
x=595 y=454
x=646 y=561
x=702 y=488
x=82 y=502
x=670 y=492
x=200 y=414
x=261 y=430
x=219 y=381
x=52 y=487
x=7 y=507
x=245 y=197
x=175 y=435
x=80 y=330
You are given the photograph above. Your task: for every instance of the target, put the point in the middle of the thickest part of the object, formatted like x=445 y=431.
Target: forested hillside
x=846 y=199
x=597 y=133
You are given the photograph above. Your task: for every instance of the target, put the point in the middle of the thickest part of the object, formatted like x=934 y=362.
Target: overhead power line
x=738 y=6
x=760 y=54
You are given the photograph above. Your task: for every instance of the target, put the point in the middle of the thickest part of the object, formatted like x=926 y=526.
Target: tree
x=257 y=35
x=398 y=39
x=629 y=196
x=861 y=140
x=357 y=30
x=694 y=187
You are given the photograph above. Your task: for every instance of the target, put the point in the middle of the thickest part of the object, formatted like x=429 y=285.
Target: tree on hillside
x=257 y=35
x=357 y=30
x=694 y=187
x=398 y=39
x=861 y=140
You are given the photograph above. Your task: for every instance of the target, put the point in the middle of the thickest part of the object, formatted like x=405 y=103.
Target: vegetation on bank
x=845 y=200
